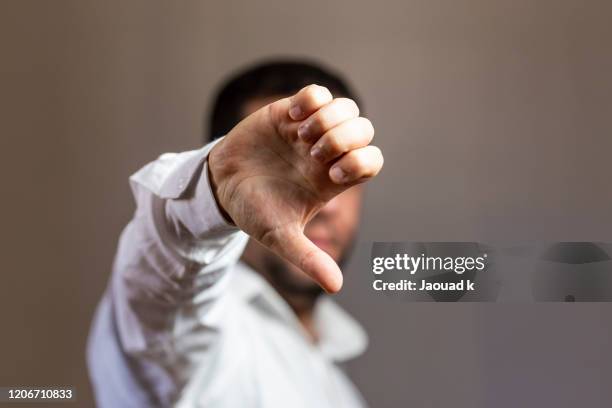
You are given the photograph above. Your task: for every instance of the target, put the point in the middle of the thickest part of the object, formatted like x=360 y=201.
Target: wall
x=495 y=121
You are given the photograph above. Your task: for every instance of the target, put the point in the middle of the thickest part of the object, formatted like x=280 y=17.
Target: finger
x=349 y=135
x=300 y=251
x=357 y=166
x=331 y=115
x=308 y=100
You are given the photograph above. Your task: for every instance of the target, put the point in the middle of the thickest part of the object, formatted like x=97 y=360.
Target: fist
x=279 y=166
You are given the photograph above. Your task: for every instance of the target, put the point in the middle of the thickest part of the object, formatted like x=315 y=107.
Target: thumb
x=296 y=248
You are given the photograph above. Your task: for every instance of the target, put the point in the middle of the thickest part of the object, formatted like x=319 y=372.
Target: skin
x=332 y=229
x=289 y=175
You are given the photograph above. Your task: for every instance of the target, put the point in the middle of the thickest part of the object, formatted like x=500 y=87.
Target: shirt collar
x=341 y=337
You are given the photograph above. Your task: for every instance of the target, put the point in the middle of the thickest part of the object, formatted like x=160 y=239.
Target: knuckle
x=317 y=93
x=364 y=160
x=368 y=158
x=377 y=160
x=364 y=129
x=377 y=152
x=334 y=143
x=367 y=125
x=318 y=121
x=308 y=93
x=310 y=88
x=324 y=91
x=349 y=105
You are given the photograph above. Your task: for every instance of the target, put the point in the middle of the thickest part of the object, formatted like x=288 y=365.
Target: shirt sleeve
x=171 y=266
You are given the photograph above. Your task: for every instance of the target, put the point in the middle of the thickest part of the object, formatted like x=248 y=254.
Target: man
x=183 y=322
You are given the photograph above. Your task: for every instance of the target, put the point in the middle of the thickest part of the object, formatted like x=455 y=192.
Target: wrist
x=215 y=179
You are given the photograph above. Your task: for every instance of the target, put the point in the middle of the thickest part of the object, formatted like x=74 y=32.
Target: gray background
x=494 y=118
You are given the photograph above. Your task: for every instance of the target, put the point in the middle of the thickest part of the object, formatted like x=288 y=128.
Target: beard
x=288 y=279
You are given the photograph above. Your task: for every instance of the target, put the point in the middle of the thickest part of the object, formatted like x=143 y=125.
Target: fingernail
x=303 y=130
x=295 y=113
x=337 y=174
x=317 y=153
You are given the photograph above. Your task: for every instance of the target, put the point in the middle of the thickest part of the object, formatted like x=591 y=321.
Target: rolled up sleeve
x=173 y=256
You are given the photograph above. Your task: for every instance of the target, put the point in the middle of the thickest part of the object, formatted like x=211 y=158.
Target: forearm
x=173 y=254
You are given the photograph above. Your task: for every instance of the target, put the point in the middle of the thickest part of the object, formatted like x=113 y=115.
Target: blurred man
x=186 y=321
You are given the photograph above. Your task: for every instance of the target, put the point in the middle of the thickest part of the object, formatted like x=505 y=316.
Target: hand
x=280 y=165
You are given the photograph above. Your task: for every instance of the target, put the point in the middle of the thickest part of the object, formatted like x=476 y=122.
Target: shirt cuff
x=197 y=210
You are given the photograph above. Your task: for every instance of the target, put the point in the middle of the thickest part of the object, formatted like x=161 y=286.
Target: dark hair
x=269 y=78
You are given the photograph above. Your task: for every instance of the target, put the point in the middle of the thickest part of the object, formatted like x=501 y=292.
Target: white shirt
x=183 y=323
